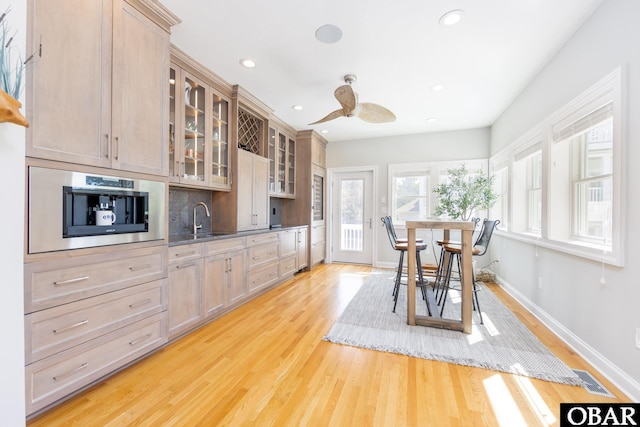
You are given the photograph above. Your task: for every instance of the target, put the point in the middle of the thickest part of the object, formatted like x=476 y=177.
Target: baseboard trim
x=626 y=384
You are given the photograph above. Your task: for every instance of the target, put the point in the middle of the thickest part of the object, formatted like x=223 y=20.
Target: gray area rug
x=502 y=344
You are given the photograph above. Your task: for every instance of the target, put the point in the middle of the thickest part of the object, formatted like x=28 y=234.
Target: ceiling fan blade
x=374 y=113
x=330 y=116
x=347 y=98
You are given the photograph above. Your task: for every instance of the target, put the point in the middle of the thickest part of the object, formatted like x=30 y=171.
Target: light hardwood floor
x=265 y=364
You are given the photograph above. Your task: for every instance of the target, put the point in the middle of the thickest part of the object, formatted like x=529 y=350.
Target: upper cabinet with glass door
x=198 y=133
x=282 y=169
x=219 y=160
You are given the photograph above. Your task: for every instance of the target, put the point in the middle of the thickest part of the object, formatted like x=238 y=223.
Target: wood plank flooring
x=265 y=364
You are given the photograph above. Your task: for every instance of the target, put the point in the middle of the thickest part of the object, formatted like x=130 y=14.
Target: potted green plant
x=464 y=193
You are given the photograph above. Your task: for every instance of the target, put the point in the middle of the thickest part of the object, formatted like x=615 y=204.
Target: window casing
x=500 y=171
x=567 y=179
x=411 y=185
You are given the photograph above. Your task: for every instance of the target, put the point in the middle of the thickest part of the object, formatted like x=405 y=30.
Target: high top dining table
x=466 y=229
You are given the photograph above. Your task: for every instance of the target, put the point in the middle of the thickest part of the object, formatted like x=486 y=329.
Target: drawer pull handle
x=68 y=282
x=71 y=372
x=66 y=328
x=256 y=257
x=139 y=303
x=138 y=340
x=191 y=264
x=141 y=267
x=185 y=254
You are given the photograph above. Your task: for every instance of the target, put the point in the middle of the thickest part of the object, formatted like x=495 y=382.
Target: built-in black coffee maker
x=73 y=209
x=89 y=212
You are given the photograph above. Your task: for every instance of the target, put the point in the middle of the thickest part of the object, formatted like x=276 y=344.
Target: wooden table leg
x=411 y=276
x=466 y=281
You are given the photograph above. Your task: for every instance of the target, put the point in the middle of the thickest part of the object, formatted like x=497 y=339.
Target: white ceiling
x=397 y=49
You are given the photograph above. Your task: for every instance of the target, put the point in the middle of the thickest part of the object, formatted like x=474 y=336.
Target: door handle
x=370 y=223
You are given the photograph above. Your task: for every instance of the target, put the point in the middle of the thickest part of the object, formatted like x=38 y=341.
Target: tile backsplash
x=181 y=203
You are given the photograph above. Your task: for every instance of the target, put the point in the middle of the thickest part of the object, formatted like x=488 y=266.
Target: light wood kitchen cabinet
x=224 y=274
x=198 y=132
x=301 y=248
x=56 y=329
x=282 y=163
x=57 y=376
x=293 y=251
x=253 y=195
x=185 y=288
x=309 y=205
x=88 y=315
x=263 y=257
x=97 y=92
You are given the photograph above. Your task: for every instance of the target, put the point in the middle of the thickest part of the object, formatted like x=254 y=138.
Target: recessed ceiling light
x=328 y=34
x=430 y=120
x=437 y=88
x=452 y=17
x=324 y=131
x=247 y=63
x=297 y=107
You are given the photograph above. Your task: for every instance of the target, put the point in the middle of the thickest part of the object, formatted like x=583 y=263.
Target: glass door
x=173 y=82
x=272 y=160
x=194 y=128
x=219 y=142
x=291 y=168
x=352 y=225
x=282 y=158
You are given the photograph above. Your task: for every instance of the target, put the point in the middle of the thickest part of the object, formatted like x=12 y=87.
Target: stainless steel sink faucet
x=195 y=208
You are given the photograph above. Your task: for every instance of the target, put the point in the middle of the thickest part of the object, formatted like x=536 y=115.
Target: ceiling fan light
x=451 y=18
x=328 y=33
x=248 y=63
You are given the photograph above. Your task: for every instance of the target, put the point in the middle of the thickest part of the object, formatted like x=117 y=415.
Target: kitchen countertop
x=185 y=239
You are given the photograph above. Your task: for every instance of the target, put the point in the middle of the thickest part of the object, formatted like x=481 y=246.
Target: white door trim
x=330 y=178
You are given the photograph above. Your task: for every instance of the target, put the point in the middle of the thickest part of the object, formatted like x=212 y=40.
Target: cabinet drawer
x=59 y=328
x=259 y=239
x=55 y=377
x=262 y=277
x=318 y=234
x=288 y=266
x=185 y=252
x=317 y=252
x=258 y=255
x=51 y=283
x=222 y=246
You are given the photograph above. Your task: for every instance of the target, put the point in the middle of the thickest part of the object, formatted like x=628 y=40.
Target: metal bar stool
x=402 y=248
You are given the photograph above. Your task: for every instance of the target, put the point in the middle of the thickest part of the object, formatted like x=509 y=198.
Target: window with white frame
x=586 y=147
x=527 y=187
x=411 y=185
x=566 y=177
x=410 y=192
x=500 y=171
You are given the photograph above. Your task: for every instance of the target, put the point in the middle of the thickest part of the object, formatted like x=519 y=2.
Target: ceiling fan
x=372 y=113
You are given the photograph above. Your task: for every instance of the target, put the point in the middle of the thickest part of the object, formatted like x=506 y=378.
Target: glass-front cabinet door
x=291 y=167
x=281 y=164
x=219 y=141
x=194 y=130
x=282 y=157
x=198 y=133
x=272 y=160
x=173 y=83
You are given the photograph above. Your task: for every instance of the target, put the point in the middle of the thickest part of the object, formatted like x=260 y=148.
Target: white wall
x=12 y=140
x=438 y=146
x=600 y=321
